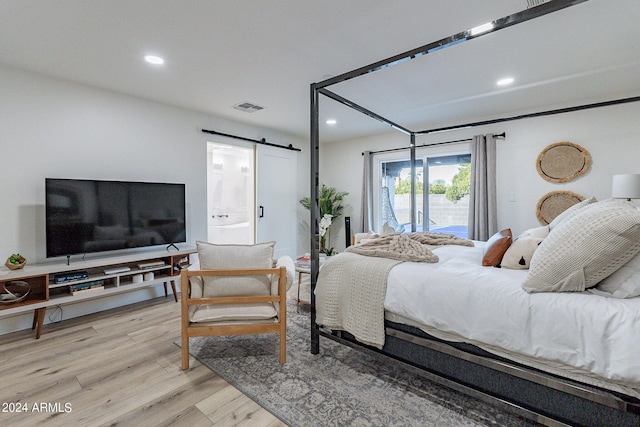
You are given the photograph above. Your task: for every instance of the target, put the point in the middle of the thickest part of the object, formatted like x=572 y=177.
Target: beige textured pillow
x=571 y=211
x=586 y=248
x=216 y=257
x=519 y=254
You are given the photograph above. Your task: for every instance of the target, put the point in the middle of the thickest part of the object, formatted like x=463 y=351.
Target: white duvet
x=486 y=305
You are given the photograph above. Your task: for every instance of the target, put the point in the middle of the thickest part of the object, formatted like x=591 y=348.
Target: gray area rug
x=338 y=387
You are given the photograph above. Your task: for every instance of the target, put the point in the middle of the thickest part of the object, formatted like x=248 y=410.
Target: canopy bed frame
x=533 y=394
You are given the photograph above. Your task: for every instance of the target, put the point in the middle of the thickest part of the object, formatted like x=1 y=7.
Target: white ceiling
x=223 y=52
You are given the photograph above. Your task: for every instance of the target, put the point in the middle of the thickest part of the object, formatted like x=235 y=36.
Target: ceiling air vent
x=248 y=107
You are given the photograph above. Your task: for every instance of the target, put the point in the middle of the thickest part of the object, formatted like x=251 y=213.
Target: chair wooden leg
x=185 y=351
x=283 y=337
x=283 y=349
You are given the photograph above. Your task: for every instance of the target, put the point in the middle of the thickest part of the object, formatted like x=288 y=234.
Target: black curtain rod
x=500 y=135
x=257 y=141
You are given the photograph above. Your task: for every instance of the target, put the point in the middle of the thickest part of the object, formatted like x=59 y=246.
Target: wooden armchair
x=236 y=299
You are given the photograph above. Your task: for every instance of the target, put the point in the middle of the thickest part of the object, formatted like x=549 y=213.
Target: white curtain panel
x=483 y=220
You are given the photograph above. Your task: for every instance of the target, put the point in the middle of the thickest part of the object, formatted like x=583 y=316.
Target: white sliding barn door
x=276 y=198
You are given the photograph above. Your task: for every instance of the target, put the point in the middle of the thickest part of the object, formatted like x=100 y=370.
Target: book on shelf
x=78 y=287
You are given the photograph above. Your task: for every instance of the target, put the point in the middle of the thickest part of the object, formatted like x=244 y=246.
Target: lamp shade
x=626 y=186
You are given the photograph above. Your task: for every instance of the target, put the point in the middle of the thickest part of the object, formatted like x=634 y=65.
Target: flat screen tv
x=87 y=216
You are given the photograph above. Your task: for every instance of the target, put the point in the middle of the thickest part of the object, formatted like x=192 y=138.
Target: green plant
x=330 y=204
x=404 y=187
x=437 y=189
x=329 y=201
x=460 y=183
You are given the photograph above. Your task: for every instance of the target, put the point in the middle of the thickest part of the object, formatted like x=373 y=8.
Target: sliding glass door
x=394 y=194
x=447 y=204
x=441 y=199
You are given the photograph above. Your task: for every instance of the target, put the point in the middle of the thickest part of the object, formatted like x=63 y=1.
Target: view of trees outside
x=448 y=198
x=459 y=187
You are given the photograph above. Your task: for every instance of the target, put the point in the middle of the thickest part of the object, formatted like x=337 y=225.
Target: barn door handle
x=261 y=214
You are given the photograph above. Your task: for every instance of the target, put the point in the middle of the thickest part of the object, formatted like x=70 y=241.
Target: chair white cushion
x=585 y=248
x=519 y=254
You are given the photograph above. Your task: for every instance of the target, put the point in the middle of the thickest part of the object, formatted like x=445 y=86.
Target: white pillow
x=519 y=254
x=624 y=283
x=361 y=237
x=585 y=248
x=571 y=211
x=287 y=262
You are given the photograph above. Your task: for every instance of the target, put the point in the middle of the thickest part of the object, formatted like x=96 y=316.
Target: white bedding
x=487 y=305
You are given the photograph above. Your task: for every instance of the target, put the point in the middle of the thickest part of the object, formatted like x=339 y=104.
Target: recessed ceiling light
x=331 y=122
x=155 y=60
x=505 y=82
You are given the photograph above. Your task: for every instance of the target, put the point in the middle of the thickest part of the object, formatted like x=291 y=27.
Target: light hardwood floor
x=116 y=368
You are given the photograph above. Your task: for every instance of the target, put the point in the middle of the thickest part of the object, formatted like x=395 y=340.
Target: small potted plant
x=330 y=204
x=15 y=262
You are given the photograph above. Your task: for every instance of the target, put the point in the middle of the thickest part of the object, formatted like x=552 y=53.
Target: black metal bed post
x=412 y=199
x=315 y=213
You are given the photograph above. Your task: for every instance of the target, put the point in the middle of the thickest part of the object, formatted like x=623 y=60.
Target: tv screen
x=86 y=216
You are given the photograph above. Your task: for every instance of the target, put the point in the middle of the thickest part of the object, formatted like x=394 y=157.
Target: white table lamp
x=626 y=187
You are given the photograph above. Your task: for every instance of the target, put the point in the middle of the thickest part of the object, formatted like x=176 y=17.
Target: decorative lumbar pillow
x=571 y=211
x=586 y=248
x=519 y=254
x=623 y=283
x=495 y=248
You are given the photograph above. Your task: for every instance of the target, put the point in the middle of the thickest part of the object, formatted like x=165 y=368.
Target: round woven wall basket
x=554 y=203
x=562 y=162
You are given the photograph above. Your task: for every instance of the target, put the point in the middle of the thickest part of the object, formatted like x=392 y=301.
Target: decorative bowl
x=11 y=266
x=14 y=291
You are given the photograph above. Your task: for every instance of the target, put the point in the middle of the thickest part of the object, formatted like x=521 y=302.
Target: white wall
x=610 y=134
x=54 y=128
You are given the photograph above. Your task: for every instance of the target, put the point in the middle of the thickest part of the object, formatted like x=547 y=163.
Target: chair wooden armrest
x=190 y=329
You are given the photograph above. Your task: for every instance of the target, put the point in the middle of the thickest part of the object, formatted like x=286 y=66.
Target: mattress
x=577 y=335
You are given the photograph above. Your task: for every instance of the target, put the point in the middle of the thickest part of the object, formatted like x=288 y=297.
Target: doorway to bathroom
x=230 y=193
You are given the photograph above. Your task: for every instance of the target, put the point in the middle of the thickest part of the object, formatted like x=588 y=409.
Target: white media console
x=104 y=277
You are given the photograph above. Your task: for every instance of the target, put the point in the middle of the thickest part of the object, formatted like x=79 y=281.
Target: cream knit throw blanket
x=350 y=295
x=407 y=247
x=351 y=288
